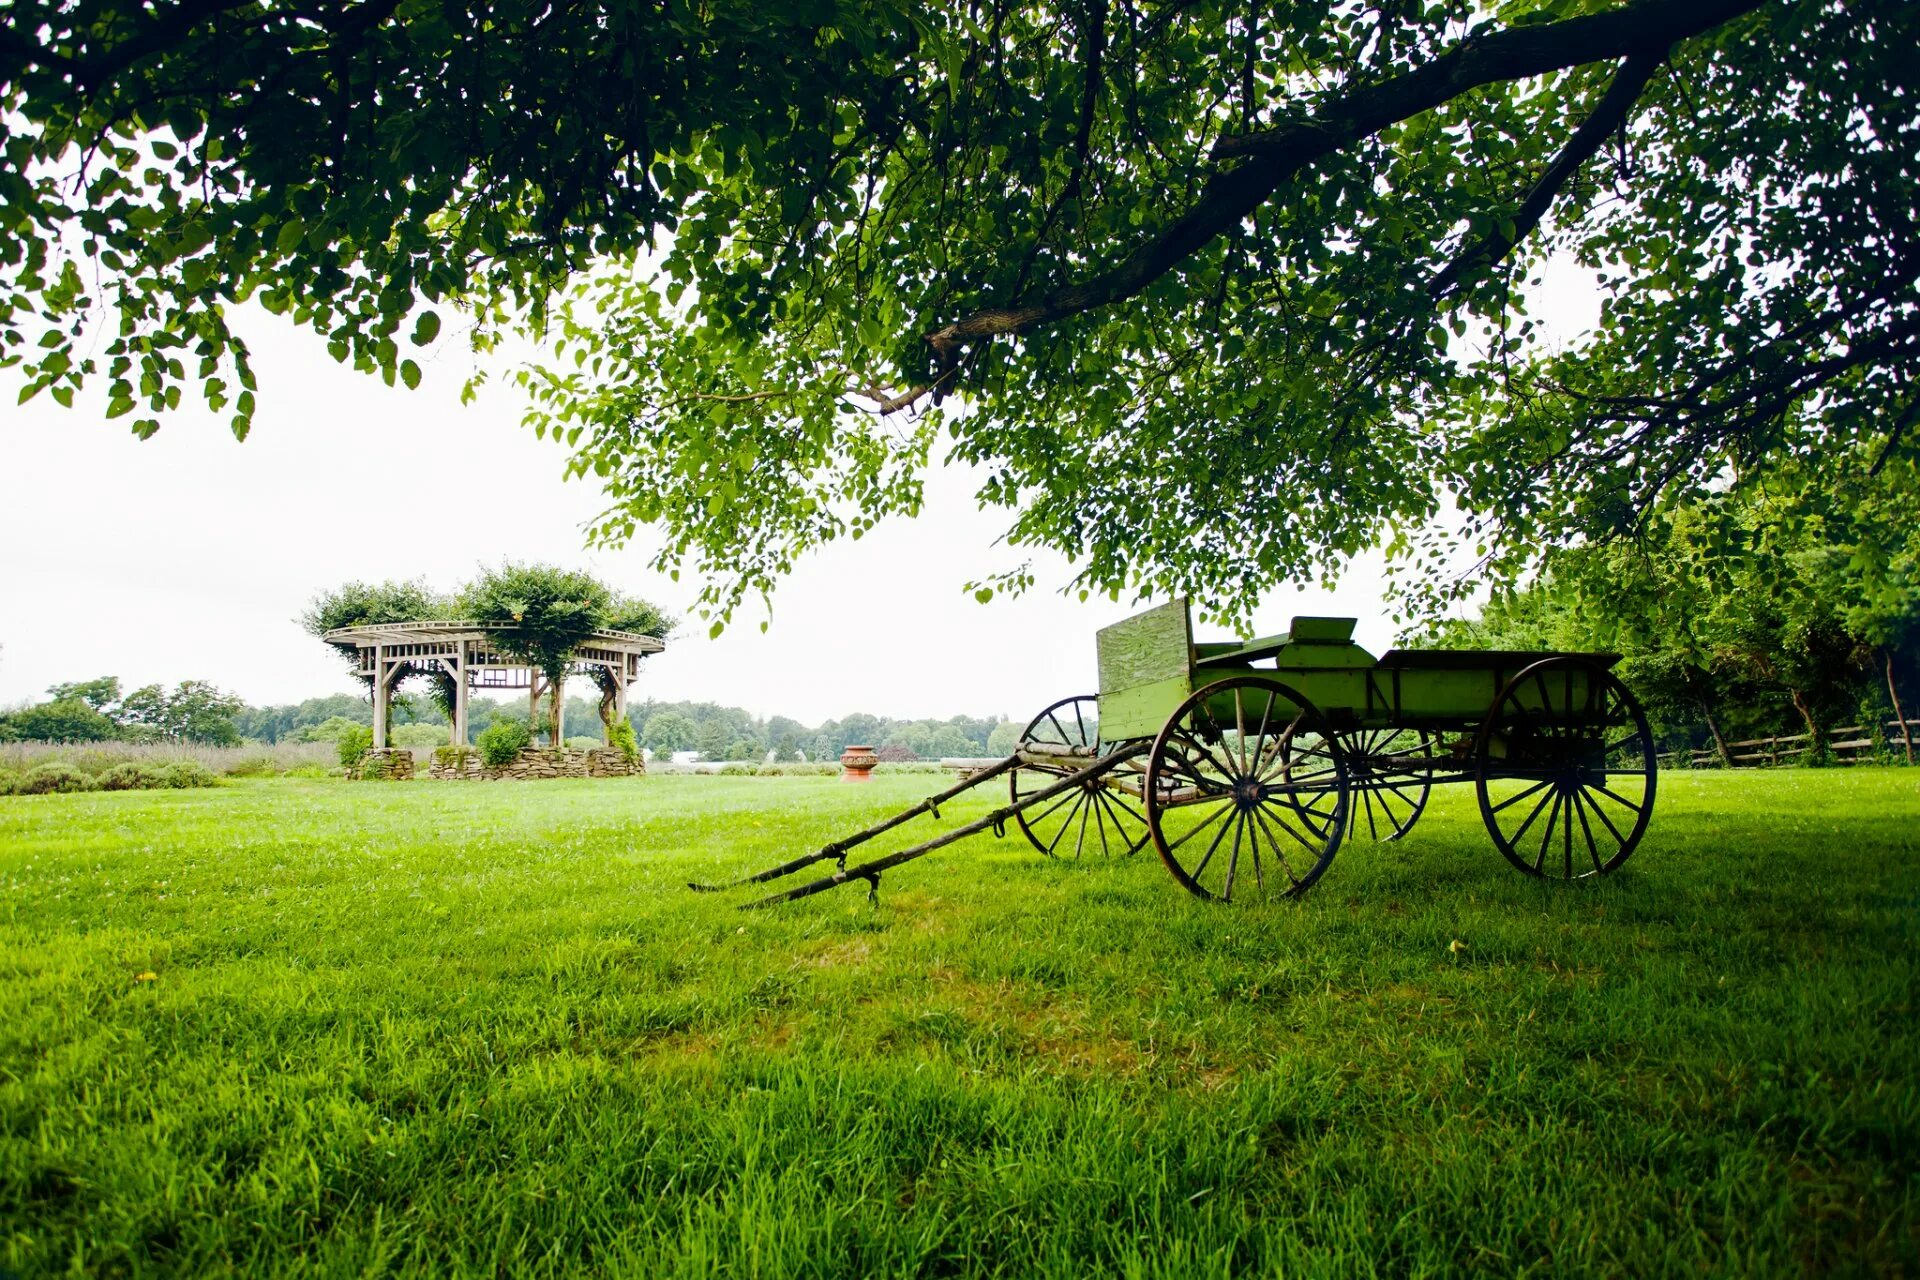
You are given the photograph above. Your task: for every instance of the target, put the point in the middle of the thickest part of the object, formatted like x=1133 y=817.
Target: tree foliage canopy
x=1224 y=290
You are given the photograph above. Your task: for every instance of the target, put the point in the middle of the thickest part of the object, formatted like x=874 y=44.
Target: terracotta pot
x=856 y=763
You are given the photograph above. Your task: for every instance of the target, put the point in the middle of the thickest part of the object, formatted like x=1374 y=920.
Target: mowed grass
x=439 y=1028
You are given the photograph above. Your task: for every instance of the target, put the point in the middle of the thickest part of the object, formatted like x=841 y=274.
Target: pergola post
x=460 y=696
x=379 y=696
x=620 y=695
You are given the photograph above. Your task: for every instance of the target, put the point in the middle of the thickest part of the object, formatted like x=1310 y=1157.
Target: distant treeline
x=195 y=711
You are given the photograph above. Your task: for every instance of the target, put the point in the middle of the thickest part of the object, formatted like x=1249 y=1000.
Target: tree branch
x=1611 y=112
x=1275 y=155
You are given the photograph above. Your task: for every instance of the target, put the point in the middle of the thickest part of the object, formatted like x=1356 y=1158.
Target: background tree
x=668 y=732
x=99 y=694
x=194 y=711
x=61 y=720
x=1202 y=271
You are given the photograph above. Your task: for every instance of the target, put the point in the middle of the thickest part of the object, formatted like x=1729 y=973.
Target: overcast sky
x=188 y=556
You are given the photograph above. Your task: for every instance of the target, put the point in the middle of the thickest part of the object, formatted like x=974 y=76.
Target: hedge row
x=57 y=777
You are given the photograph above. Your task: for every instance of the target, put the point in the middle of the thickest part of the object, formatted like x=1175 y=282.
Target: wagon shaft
x=1086 y=773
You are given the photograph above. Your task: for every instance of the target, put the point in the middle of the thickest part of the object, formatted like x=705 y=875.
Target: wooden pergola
x=469 y=652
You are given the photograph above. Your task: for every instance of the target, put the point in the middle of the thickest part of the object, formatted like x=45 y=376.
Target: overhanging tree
x=1230 y=289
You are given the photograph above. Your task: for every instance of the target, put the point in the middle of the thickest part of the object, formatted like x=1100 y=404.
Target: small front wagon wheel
x=1231 y=809
x=1565 y=768
x=1104 y=814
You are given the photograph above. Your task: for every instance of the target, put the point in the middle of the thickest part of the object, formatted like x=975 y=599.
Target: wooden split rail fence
x=1850 y=744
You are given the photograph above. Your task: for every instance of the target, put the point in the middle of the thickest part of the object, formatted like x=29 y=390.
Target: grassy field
x=321 y=1028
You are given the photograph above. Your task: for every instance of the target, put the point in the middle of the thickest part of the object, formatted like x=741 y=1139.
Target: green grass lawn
x=322 y=1028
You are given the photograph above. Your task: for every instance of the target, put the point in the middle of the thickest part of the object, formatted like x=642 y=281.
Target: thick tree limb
x=1275 y=155
x=1611 y=112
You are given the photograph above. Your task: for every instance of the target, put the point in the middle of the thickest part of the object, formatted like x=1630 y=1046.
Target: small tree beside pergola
x=516 y=627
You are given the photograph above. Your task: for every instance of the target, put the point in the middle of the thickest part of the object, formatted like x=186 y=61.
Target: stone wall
x=536 y=762
x=392 y=764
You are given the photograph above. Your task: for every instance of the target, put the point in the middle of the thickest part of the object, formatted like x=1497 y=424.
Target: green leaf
x=426 y=328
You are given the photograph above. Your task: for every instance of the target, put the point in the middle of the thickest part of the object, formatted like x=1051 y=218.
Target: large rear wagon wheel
x=1229 y=809
x=1103 y=815
x=1565 y=768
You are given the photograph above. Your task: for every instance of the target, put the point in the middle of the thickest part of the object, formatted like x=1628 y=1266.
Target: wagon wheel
x=1104 y=812
x=1565 y=769
x=1229 y=809
x=1392 y=773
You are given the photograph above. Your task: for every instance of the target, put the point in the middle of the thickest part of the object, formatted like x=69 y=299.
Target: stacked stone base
x=535 y=763
x=391 y=764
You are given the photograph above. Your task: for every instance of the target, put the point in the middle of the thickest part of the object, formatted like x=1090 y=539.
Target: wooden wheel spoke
x=1217 y=837
x=1366 y=802
x=1099 y=820
x=1607 y=822
x=1593 y=851
x=1535 y=814
x=1123 y=806
x=1515 y=799
x=1546 y=837
x=1311 y=846
x=1055 y=807
x=1613 y=796
x=1233 y=858
x=1279 y=852
x=1133 y=843
x=1206 y=822
x=1079 y=797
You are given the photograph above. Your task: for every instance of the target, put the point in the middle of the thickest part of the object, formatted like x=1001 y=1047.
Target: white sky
x=188 y=556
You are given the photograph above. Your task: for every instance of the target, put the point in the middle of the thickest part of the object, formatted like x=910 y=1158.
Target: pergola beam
x=466 y=648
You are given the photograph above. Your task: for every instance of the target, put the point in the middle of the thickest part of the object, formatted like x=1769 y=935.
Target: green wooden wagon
x=1248 y=765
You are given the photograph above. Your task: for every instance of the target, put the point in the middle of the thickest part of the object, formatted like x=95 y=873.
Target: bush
x=8 y=779
x=128 y=777
x=371 y=768
x=51 y=778
x=625 y=741
x=183 y=774
x=353 y=743
x=737 y=769
x=503 y=742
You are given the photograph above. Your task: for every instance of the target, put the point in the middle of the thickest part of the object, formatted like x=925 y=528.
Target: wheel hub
x=1249 y=792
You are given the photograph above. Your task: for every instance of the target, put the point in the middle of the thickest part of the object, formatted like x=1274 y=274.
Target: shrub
x=182 y=774
x=737 y=769
x=625 y=740
x=128 y=777
x=371 y=768
x=503 y=741
x=353 y=743
x=8 y=778
x=51 y=778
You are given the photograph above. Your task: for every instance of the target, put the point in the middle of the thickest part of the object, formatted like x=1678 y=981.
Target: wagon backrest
x=1146 y=668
